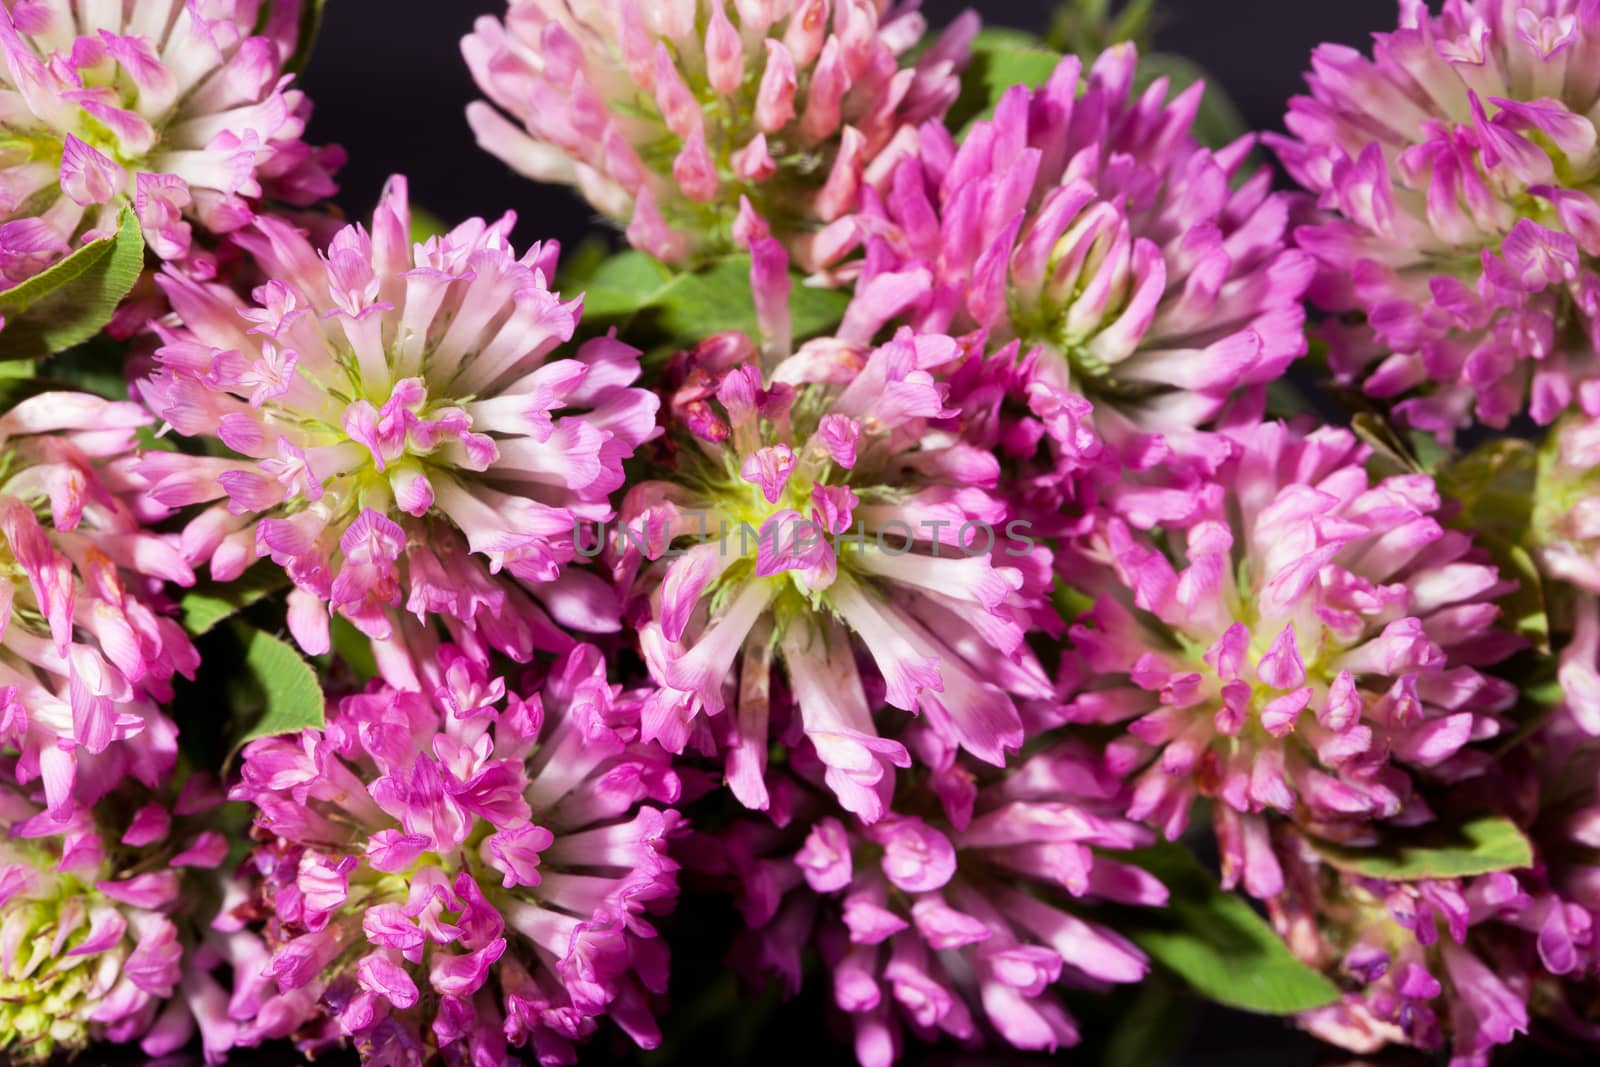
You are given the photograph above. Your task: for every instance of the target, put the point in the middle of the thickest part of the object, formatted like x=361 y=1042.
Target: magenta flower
x=820 y=519
x=1308 y=643
x=177 y=110
x=960 y=921
x=665 y=115
x=1087 y=222
x=443 y=875
x=87 y=647
x=404 y=427
x=1458 y=170
x=1426 y=964
x=105 y=935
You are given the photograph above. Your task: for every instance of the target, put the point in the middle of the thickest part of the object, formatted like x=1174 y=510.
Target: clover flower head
x=1431 y=964
x=88 y=649
x=665 y=115
x=1308 y=643
x=455 y=872
x=404 y=427
x=103 y=926
x=821 y=517
x=181 y=112
x=1084 y=219
x=956 y=919
x=1459 y=172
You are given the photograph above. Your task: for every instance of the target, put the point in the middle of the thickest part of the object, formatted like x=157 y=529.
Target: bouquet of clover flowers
x=906 y=604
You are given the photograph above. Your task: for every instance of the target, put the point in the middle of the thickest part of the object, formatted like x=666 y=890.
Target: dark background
x=389 y=84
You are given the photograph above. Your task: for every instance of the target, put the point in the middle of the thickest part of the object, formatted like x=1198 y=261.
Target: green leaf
x=622 y=285
x=97 y=366
x=580 y=264
x=14 y=390
x=655 y=309
x=210 y=603
x=354 y=647
x=1000 y=59
x=19 y=380
x=1069 y=601
x=1539 y=696
x=1391 y=453
x=1496 y=485
x=1217 y=944
x=1524 y=606
x=73 y=300
x=1152 y=1029
x=1285 y=400
x=310 y=27
x=285 y=684
x=1476 y=846
x=425 y=225
x=1088 y=26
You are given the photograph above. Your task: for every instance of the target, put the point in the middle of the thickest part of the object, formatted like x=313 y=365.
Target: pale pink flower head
x=823 y=521
x=1085 y=220
x=463 y=870
x=106 y=916
x=1458 y=169
x=408 y=433
x=1432 y=964
x=665 y=114
x=1303 y=649
x=964 y=921
x=88 y=647
x=180 y=111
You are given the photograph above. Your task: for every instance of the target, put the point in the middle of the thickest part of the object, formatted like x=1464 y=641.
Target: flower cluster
x=1084 y=220
x=1458 y=171
x=961 y=913
x=441 y=874
x=105 y=915
x=180 y=113
x=666 y=115
x=88 y=648
x=900 y=546
x=1422 y=960
x=824 y=511
x=1305 y=645
x=405 y=433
